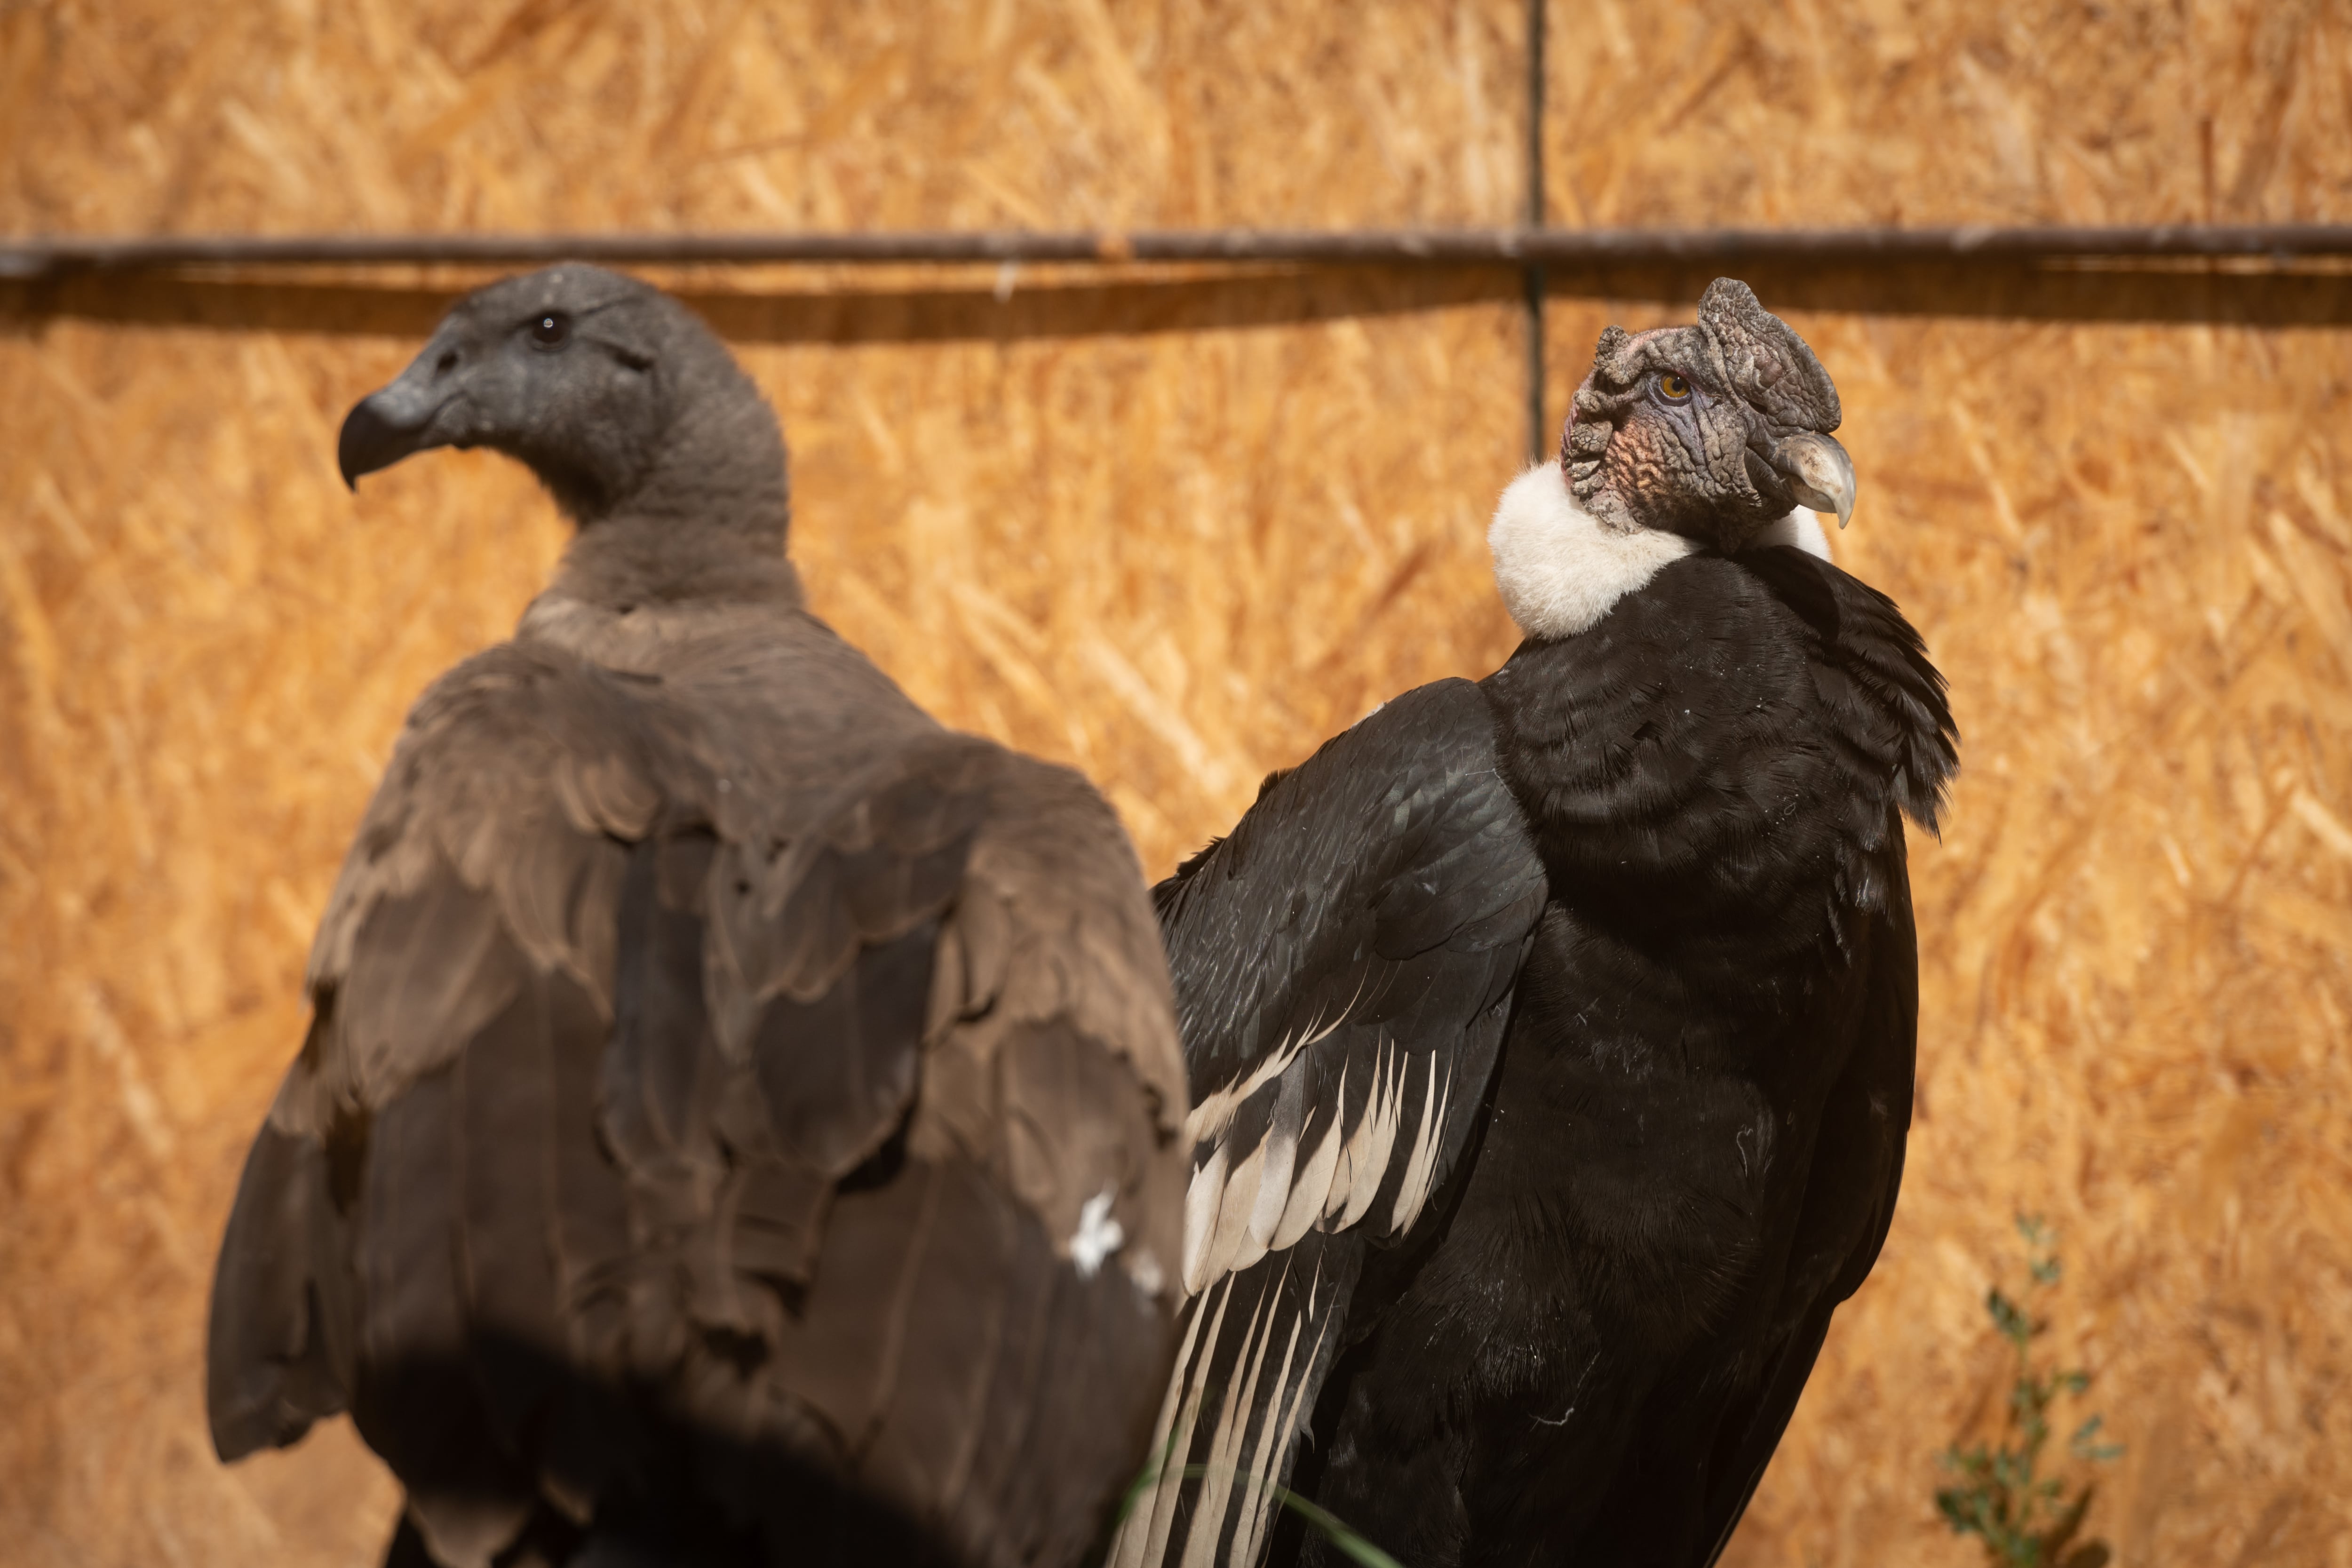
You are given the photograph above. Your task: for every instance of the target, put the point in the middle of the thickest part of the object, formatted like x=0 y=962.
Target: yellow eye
x=1673 y=388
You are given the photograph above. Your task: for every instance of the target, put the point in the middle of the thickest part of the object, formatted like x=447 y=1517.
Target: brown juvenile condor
x=1551 y=1037
x=738 y=1120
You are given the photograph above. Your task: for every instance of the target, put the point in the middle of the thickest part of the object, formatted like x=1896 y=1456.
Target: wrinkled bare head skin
x=1709 y=431
x=610 y=391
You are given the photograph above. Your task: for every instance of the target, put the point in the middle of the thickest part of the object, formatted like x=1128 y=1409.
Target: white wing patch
x=1273 y=1197
x=1203 y=1200
x=1143 y=1538
x=1236 y=1212
x=1366 y=1158
x=1313 y=1185
x=1215 y=1112
x=1422 y=1167
x=1229 y=1241
x=1249 y=1447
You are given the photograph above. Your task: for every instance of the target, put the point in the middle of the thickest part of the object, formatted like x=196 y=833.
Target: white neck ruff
x=1559 y=570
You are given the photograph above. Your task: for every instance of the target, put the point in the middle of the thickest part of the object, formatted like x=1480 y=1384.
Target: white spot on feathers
x=1098 y=1236
x=1559 y=568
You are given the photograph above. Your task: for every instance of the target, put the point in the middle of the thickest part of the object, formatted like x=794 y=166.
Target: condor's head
x=612 y=392
x=1708 y=436
x=1712 y=431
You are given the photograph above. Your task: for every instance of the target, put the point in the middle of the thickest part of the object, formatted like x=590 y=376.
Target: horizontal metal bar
x=35 y=258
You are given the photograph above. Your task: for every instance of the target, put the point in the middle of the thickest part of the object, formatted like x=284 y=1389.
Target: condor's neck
x=622 y=562
x=1559 y=569
x=708 y=523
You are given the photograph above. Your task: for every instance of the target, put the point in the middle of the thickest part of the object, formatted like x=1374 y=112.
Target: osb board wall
x=2133 y=556
x=1808 y=112
x=1175 y=532
x=1003 y=113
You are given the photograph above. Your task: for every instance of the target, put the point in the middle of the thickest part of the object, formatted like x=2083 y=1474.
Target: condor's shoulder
x=1756 y=663
x=1343 y=965
x=1871 y=671
x=521 y=763
x=1396 y=838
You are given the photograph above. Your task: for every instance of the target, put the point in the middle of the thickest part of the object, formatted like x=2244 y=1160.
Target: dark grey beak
x=389 y=424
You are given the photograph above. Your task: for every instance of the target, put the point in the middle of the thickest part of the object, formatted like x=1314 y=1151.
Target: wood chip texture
x=1175 y=530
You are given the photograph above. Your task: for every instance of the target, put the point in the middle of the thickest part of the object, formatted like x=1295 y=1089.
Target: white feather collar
x=1800 y=529
x=1559 y=570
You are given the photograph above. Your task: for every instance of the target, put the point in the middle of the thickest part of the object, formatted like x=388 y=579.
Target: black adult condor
x=739 y=1118
x=1551 y=1036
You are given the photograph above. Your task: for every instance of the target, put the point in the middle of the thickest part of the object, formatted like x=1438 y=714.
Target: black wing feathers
x=1849 y=1204
x=1330 y=959
x=1343 y=965
x=1391 y=834
x=1886 y=703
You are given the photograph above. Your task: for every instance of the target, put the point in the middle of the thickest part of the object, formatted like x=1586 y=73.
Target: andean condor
x=739 y=1118
x=1551 y=1036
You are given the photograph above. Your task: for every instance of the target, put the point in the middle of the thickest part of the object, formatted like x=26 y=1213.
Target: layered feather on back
x=727 y=1090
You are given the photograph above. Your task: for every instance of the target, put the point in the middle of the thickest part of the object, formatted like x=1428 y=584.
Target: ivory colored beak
x=1819 y=472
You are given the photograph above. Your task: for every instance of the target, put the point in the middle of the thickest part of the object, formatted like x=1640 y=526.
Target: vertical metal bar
x=1532 y=276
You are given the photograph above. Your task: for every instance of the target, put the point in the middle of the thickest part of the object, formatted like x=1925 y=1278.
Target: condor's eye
x=552 y=330
x=1673 y=388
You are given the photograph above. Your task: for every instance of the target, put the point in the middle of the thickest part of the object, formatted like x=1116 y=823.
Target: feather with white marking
x=1339 y=1056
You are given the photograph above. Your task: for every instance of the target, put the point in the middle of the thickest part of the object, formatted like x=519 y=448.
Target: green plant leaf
x=2009 y=1319
x=2024 y=1517
x=1335 y=1531
x=1322 y=1520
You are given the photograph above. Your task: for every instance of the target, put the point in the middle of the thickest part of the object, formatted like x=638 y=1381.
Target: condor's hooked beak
x=1819 y=472
x=394 y=421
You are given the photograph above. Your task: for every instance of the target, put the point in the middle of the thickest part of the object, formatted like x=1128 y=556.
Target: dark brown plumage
x=738 y=1120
